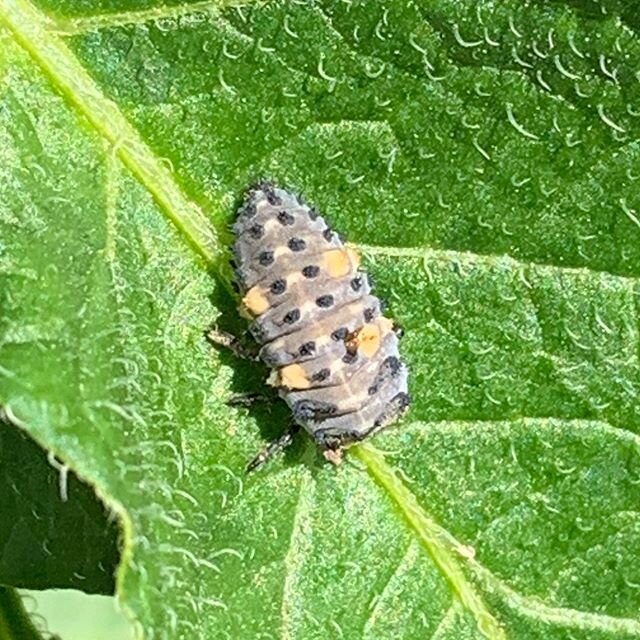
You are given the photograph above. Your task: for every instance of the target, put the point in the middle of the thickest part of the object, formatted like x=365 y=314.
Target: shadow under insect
x=249 y=391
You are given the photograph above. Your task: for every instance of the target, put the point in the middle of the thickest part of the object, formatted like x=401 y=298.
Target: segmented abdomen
x=334 y=355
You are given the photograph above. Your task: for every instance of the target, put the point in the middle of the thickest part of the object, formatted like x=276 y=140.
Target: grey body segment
x=294 y=347
x=334 y=356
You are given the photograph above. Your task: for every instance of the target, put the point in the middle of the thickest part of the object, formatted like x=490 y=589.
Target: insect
x=333 y=354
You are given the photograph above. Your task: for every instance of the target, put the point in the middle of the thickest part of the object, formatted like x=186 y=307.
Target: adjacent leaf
x=485 y=159
x=55 y=532
x=14 y=620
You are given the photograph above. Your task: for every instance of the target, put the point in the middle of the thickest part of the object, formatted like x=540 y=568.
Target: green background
x=484 y=159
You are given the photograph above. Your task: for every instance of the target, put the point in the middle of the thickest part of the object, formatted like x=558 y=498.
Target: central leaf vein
x=60 y=65
x=438 y=543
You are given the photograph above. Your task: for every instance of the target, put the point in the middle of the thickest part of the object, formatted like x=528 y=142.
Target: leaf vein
x=534 y=608
x=440 y=545
x=298 y=546
x=447 y=620
x=406 y=562
x=449 y=255
x=84 y=24
x=591 y=426
x=66 y=73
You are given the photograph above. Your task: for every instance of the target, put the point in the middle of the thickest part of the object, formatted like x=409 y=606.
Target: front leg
x=229 y=341
x=247 y=399
x=225 y=339
x=275 y=446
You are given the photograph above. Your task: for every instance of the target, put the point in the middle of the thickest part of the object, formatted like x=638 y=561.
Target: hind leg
x=229 y=341
x=275 y=446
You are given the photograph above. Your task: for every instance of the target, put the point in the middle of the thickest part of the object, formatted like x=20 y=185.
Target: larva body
x=334 y=356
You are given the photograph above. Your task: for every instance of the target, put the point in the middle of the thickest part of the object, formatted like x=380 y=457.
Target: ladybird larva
x=334 y=355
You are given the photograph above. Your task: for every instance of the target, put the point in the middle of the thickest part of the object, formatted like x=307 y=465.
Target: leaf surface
x=485 y=160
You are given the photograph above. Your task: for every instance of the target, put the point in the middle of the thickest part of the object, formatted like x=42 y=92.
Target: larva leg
x=229 y=341
x=333 y=445
x=247 y=399
x=275 y=446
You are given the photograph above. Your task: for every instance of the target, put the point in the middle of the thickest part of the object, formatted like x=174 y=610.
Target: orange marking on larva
x=340 y=262
x=293 y=376
x=366 y=340
x=255 y=301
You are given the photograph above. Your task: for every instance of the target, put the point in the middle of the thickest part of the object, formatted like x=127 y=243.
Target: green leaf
x=484 y=158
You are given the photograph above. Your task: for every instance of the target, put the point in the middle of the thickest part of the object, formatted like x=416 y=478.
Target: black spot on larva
x=278 y=286
x=256 y=231
x=235 y=286
x=313 y=409
x=398 y=330
x=369 y=314
x=270 y=194
x=388 y=369
x=285 y=218
x=349 y=357
x=258 y=332
x=328 y=234
x=307 y=349
x=313 y=213
x=391 y=365
x=291 y=316
x=325 y=301
x=327 y=440
x=265 y=258
x=248 y=209
x=394 y=408
x=233 y=264
x=340 y=334
x=297 y=244
x=321 y=375
x=311 y=271
x=356 y=283
x=402 y=400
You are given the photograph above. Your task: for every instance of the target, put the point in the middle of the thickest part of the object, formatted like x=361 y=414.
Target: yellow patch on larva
x=293 y=376
x=255 y=302
x=366 y=340
x=340 y=262
x=369 y=339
